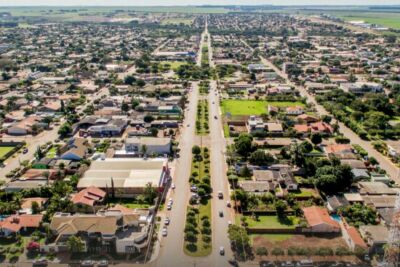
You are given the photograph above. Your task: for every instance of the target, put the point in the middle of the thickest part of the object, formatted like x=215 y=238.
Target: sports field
x=252 y=107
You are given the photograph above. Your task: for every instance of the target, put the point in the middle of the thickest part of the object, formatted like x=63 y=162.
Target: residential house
x=319 y=221
x=14 y=224
x=87 y=198
x=376 y=237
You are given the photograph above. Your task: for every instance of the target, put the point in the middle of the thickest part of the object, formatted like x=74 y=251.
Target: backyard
x=253 y=107
x=269 y=221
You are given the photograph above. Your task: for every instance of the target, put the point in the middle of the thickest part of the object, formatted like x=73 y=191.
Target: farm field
x=391 y=20
x=252 y=107
x=4 y=150
x=186 y=21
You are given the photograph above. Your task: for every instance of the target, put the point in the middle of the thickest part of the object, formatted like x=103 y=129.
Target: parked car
x=25 y=150
x=221 y=250
x=220 y=195
x=39 y=262
x=228 y=204
x=221 y=214
x=173 y=186
x=167 y=221
x=87 y=263
x=102 y=263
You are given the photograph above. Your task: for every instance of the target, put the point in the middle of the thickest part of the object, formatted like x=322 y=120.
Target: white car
x=221 y=251
x=173 y=186
x=164 y=232
x=167 y=221
x=169 y=207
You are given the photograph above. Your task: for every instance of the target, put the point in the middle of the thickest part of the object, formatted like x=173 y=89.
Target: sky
x=191 y=2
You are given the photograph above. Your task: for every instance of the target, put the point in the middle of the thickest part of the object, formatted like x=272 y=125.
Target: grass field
x=186 y=21
x=174 y=65
x=391 y=20
x=270 y=222
x=4 y=150
x=252 y=107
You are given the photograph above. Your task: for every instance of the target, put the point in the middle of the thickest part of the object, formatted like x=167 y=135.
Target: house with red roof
x=319 y=221
x=88 y=198
x=353 y=237
x=17 y=223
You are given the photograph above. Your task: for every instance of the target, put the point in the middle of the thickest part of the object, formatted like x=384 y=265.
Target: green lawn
x=173 y=64
x=129 y=203
x=270 y=221
x=52 y=153
x=252 y=107
x=4 y=150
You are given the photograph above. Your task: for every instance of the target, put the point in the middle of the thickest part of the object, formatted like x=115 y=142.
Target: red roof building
x=16 y=223
x=319 y=221
x=89 y=196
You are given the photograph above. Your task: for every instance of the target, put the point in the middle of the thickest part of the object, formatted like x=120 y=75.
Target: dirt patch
x=303 y=241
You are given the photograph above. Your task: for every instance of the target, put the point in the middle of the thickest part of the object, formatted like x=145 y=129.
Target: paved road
x=219 y=182
x=171 y=251
x=385 y=163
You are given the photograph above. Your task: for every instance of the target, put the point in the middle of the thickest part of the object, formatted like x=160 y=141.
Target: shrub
x=278 y=252
x=261 y=251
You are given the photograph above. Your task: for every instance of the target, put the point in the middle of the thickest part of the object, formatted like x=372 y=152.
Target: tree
x=196 y=150
x=316 y=138
x=125 y=107
x=244 y=145
x=262 y=251
x=75 y=244
x=39 y=153
x=306 y=147
x=143 y=149
x=65 y=130
x=260 y=158
x=35 y=207
x=150 y=194
x=280 y=207
x=148 y=118
x=129 y=80
x=240 y=240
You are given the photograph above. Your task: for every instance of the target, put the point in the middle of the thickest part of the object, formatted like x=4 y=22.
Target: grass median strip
x=202 y=127
x=198 y=218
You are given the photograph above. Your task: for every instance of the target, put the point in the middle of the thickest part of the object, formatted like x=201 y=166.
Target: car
x=228 y=204
x=229 y=222
x=213 y=102
x=164 y=231
x=220 y=195
x=170 y=200
x=87 y=263
x=221 y=250
x=215 y=117
x=39 y=262
x=169 y=207
x=25 y=150
x=102 y=263
x=167 y=221
x=221 y=214
x=188 y=125
x=173 y=186
x=233 y=262
x=193 y=188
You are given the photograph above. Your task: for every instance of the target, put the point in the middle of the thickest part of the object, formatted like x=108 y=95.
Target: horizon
x=204 y=3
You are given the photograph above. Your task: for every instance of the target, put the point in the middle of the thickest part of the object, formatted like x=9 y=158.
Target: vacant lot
x=4 y=150
x=270 y=222
x=177 y=21
x=252 y=107
x=286 y=241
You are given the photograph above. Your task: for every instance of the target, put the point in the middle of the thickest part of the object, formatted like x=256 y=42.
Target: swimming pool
x=336 y=217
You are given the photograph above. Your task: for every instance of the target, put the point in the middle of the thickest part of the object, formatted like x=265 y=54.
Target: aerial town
x=204 y=138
